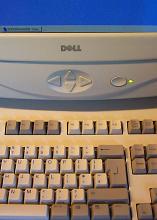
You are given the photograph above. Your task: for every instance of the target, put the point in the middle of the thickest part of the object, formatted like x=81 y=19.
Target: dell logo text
x=71 y=48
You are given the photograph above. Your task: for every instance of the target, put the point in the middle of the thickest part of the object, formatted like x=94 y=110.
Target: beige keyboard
x=78 y=165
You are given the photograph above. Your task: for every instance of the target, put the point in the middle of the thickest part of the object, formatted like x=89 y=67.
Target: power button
x=118 y=81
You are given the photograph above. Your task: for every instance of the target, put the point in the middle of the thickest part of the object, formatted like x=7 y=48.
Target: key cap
x=70 y=181
x=74 y=152
x=46 y=196
x=39 y=181
x=88 y=127
x=31 y=196
x=53 y=127
x=110 y=151
x=22 y=166
x=78 y=196
x=85 y=181
x=151 y=150
x=9 y=180
x=3 y=196
x=115 y=127
x=12 y=127
x=137 y=151
x=4 y=152
x=144 y=211
x=55 y=181
x=100 y=212
x=16 y=152
x=62 y=196
x=139 y=166
x=101 y=127
x=24 y=181
x=153 y=195
x=22 y=212
x=147 y=126
x=81 y=166
x=74 y=127
x=152 y=165
x=7 y=166
x=26 y=127
x=30 y=152
x=37 y=166
x=121 y=212
x=15 y=196
x=39 y=127
x=80 y=211
x=108 y=195
x=116 y=170
x=154 y=211
x=96 y=166
x=51 y=166
x=60 y=212
x=100 y=180
x=59 y=152
x=66 y=166
x=134 y=127
x=45 y=152
x=88 y=152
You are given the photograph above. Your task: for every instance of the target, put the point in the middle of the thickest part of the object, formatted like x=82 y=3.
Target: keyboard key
x=78 y=196
x=81 y=166
x=9 y=180
x=3 y=196
x=101 y=127
x=55 y=181
x=152 y=165
x=20 y=211
x=147 y=127
x=121 y=212
x=12 y=127
x=45 y=152
x=60 y=212
x=115 y=127
x=53 y=127
x=144 y=211
x=96 y=166
x=39 y=127
x=4 y=152
x=74 y=152
x=39 y=181
x=139 y=166
x=15 y=196
x=88 y=152
x=46 y=196
x=137 y=151
x=80 y=211
x=24 y=181
x=7 y=166
x=88 y=127
x=108 y=195
x=22 y=166
x=110 y=151
x=85 y=181
x=37 y=166
x=134 y=127
x=155 y=211
x=52 y=166
x=66 y=166
x=116 y=170
x=16 y=152
x=30 y=152
x=59 y=152
x=70 y=181
x=31 y=196
x=151 y=150
x=100 y=211
x=62 y=196
x=74 y=127
x=26 y=127
x=153 y=195
x=100 y=180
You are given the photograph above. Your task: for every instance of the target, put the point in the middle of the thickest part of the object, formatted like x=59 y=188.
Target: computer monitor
x=78 y=49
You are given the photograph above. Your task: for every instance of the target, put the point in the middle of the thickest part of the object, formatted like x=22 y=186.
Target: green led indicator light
x=131 y=81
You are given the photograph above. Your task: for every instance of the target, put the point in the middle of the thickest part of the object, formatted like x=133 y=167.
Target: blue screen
x=79 y=13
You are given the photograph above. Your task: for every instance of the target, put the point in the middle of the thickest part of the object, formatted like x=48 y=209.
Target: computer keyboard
x=78 y=165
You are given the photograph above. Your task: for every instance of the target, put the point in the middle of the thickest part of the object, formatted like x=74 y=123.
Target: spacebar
x=24 y=212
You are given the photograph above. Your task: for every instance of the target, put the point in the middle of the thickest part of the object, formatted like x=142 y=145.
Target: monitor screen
x=78 y=16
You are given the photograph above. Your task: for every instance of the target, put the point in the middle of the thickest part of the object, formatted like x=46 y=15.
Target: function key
x=134 y=127
x=53 y=127
x=147 y=126
x=26 y=127
x=39 y=127
x=101 y=127
x=115 y=127
x=137 y=151
x=12 y=127
x=88 y=127
x=74 y=127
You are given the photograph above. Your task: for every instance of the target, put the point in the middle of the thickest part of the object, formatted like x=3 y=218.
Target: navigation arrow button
x=55 y=81
x=83 y=81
